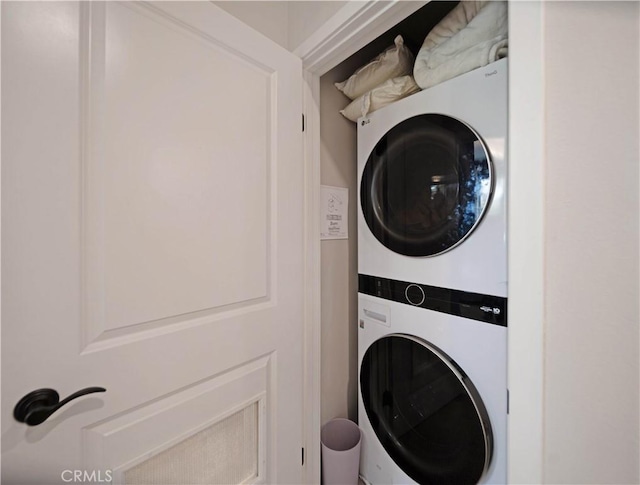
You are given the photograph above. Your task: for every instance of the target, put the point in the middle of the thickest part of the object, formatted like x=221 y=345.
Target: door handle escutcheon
x=38 y=405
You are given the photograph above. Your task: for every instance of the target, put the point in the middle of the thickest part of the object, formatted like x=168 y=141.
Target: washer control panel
x=476 y=306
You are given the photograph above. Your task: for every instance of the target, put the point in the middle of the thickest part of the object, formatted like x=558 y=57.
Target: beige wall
x=339 y=284
x=591 y=402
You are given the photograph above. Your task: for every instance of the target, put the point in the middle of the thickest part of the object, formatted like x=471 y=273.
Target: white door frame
x=350 y=29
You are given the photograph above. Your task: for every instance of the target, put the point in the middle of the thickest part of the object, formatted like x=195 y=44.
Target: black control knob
x=414 y=294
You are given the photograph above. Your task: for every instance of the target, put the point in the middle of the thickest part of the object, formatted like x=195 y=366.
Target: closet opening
x=339 y=265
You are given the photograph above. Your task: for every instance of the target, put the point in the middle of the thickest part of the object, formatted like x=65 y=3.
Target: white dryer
x=432 y=174
x=432 y=404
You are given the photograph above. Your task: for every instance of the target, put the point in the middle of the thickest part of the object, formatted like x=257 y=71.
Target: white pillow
x=388 y=92
x=472 y=35
x=395 y=61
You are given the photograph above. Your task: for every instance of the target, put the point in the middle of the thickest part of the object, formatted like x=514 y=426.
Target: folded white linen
x=388 y=92
x=472 y=35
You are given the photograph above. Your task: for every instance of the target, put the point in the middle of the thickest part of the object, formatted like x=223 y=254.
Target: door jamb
x=312 y=304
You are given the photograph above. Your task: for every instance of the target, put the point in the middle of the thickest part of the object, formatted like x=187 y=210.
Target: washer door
x=426 y=185
x=425 y=411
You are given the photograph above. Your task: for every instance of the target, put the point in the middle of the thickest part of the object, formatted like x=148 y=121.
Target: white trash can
x=340 y=439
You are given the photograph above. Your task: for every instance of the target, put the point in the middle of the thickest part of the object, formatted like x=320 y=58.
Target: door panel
x=151 y=235
x=151 y=196
x=197 y=409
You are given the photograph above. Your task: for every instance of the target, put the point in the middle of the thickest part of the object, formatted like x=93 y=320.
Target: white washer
x=432 y=185
x=432 y=404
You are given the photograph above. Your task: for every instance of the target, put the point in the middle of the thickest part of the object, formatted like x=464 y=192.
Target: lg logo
x=86 y=476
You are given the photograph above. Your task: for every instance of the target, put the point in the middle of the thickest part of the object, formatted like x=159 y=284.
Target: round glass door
x=425 y=411
x=426 y=185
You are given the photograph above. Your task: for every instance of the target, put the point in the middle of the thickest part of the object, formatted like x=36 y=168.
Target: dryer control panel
x=476 y=306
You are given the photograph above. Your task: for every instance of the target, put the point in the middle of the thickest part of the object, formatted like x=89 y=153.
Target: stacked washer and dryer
x=432 y=264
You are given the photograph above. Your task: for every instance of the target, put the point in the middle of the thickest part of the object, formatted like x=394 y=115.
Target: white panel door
x=152 y=245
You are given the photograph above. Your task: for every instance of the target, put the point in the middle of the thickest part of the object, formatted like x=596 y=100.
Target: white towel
x=472 y=35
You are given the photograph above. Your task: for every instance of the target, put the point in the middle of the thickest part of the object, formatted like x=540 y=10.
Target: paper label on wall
x=334 y=205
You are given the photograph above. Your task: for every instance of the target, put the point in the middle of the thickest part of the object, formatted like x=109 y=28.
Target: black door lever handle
x=38 y=405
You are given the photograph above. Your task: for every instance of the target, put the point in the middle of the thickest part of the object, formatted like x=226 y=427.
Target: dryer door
x=426 y=185
x=425 y=411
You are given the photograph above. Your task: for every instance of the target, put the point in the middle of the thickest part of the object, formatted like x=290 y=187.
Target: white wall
x=306 y=17
x=591 y=400
x=270 y=18
x=289 y=23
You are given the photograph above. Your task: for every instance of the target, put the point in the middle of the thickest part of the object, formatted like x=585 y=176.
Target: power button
x=414 y=294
